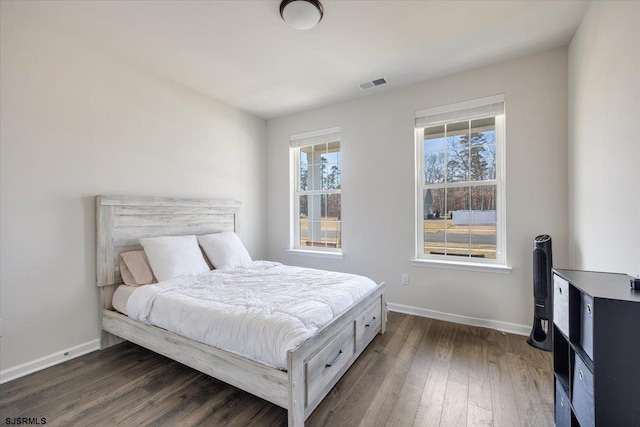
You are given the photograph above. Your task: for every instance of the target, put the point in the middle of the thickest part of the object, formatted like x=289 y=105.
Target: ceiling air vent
x=372 y=83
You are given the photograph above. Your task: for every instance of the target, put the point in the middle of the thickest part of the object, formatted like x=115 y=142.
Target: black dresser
x=596 y=349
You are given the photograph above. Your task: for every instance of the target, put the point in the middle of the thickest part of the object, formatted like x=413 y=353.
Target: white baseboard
x=47 y=361
x=512 y=328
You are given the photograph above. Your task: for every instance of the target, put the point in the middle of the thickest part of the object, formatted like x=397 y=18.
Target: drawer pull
x=330 y=364
x=581 y=375
x=562 y=401
x=589 y=308
x=370 y=323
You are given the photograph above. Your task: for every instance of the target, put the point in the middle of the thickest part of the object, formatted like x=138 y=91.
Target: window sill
x=457 y=265
x=320 y=254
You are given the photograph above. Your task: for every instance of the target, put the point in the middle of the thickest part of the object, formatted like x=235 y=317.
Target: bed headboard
x=122 y=220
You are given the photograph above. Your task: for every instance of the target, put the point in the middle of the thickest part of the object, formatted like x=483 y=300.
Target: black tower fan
x=541 y=335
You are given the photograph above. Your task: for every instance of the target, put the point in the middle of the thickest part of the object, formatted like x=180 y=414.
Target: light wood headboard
x=122 y=220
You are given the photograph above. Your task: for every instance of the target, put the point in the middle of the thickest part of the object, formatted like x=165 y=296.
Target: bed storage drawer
x=368 y=324
x=323 y=367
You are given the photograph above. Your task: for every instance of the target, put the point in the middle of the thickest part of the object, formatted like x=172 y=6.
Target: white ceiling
x=243 y=54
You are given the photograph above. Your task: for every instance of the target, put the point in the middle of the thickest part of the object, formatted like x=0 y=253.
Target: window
x=460 y=182
x=317 y=203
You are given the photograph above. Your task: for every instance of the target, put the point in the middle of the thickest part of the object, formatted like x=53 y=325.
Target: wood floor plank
x=381 y=406
x=80 y=392
x=459 y=367
x=533 y=405
x=233 y=406
x=479 y=373
x=479 y=417
x=219 y=394
x=92 y=401
x=412 y=374
x=503 y=401
x=394 y=345
x=55 y=380
x=432 y=400
x=454 y=409
x=192 y=396
x=532 y=356
x=272 y=416
x=155 y=408
x=247 y=412
x=406 y=408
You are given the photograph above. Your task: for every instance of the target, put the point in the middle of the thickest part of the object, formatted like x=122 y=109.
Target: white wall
x=77 y=123
x=378 y=186
x=604 y=147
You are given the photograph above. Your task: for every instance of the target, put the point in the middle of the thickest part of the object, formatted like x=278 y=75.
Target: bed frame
x=313 y=368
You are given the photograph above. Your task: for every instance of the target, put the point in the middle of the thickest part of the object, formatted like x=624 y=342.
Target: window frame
x=449 y=113
x=298 y=141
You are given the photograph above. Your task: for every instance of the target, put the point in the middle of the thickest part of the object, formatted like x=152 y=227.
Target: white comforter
x=260 y=311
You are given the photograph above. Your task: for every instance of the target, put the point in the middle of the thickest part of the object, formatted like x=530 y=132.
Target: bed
x=312 y=368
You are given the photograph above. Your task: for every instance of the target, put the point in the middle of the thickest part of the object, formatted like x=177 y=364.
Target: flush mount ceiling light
x=301 y=14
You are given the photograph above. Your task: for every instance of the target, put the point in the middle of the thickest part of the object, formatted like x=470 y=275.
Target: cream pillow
x=173 y=256
x=135 y=269
x=224 y=250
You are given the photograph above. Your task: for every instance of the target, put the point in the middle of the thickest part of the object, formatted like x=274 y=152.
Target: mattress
x=260 y=311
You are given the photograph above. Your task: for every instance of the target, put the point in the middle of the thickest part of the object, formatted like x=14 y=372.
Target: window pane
x=433 y=201
x=304 y=169
x=435 y=223
x=315 y=233
x=457 y=152
x=331 y=176
x=331 y=211
x=330 y=166
x=483 y=221
x=316 y=153
x=458 y=232
x=434 y=138
x=304 y=206
x=320 y=220
x=333 y=208
x=310 y=168
x=330 y=233
x=315 y=210
x=489 y=156
x=434 y=167
x=314 y=177
x=304 y=220
x=482 y=150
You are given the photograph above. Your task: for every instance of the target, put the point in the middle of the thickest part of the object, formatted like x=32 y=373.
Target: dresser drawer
x=563 y=407
x=322 y=368
x=586 y=324
x=561 y=304
x=368 y=324
x=582 y=397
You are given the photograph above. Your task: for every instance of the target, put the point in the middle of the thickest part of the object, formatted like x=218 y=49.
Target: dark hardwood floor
x=422 y=372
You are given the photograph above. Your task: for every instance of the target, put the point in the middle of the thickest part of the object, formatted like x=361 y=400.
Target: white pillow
x=173 y=256
x=224 y=250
